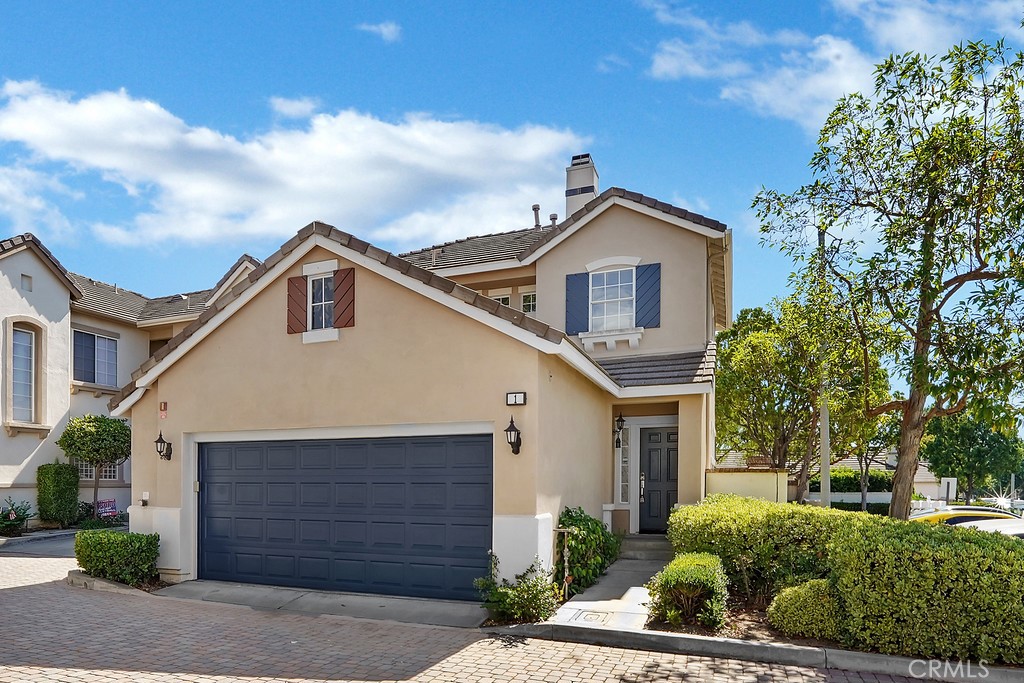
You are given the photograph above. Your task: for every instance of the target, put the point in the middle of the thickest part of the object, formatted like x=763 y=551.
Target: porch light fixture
x=513 y=436
x=620 y=424
x=163 y=448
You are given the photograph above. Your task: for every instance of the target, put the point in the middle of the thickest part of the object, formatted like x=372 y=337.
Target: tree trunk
x=96 y=492
x=804 y=474
x=911 y=431
x=970 y=488
x=865 y=467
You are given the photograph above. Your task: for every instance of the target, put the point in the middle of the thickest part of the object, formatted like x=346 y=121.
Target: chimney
x=580 y=183
x=536 y=215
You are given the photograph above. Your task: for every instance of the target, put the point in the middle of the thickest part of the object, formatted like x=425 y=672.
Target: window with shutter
x=321 y=300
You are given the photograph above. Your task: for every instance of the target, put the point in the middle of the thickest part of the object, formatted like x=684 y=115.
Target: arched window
x=24 y=376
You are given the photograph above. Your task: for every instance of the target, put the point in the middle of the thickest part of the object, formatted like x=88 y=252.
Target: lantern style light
x=163 y=448
x=513 y=436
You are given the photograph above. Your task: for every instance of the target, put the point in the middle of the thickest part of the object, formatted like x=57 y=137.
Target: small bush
x=690 y=590
x=847 y=480
x=810 y=610
x=530 y=597
x=118 y=556
x=592 y=547
x=873 y=508
x=57 y=493
x=930 y=591
x=14 y=517
x=764 y=546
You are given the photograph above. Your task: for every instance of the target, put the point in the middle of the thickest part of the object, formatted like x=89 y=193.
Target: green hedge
x=592 y=547
x=873 y=508
x=690 y=590
x=810 y=610
x=118 y=556
x=847 y=480
x=764 y=546
x=924 y=590
x=57 y=493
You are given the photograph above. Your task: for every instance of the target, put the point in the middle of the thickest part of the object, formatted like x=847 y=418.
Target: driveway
x=55 y=632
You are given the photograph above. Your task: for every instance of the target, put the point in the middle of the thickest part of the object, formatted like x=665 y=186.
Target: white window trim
x=112 y=336
x=33 y=384
x=523 y=293
x=309 y=300
x=613 y=263
x=326 y=334
x=38 y=425
x=320 y=267
x=503 y=299
x=610 y=338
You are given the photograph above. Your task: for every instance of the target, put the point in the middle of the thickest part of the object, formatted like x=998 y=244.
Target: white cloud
x=23 y=201
x=299 y=108
x=410 y=181
x=389 y=31
x=675 y=59
x=612 y=63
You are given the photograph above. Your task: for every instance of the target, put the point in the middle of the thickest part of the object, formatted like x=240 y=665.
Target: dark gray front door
x=402 y=516
x=659 y=477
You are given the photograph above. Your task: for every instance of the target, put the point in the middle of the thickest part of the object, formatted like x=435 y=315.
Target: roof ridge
x=116 y=286
x=461 y=240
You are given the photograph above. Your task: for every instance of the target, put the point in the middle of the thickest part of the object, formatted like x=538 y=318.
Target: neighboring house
x=341 y=419
x=67 y=344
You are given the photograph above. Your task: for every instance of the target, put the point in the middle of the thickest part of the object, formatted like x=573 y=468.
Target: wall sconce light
x=163 y=448
x=513 y=436
x=620 y=424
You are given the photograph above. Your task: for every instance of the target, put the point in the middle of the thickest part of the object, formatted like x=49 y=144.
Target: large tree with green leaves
x=98 y=440
x=972 y=451
x=920 y=188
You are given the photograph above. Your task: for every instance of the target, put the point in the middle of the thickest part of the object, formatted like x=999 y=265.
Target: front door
x=659 y=477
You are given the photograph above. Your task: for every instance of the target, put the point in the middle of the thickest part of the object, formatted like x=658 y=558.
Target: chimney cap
x=580 y=159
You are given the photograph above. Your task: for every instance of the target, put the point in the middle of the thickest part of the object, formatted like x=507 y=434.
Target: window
x=87 y=472
x=26 y=282
x=611 y=300
x=95 y=358
x=321 y=302
x=530 y=302
x=23 y=377
x=503 y=300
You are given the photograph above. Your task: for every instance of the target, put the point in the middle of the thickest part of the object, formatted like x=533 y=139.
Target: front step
x=646 y=547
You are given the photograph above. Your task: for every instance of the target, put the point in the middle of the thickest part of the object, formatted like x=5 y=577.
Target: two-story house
x=68 y=343
x=349 y=419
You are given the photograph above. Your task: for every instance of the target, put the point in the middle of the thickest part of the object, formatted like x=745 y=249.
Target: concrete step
x=653 y=547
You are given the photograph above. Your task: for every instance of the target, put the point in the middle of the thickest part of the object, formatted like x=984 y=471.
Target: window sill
x=96 y=390
x=612 y=337
x=15 y=428
x=316 y=336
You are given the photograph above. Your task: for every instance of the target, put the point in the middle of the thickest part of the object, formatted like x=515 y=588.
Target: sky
x=151 y=144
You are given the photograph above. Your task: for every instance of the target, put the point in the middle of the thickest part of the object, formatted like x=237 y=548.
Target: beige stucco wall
x=623 y=232
x=693 y=447
x=768 y=484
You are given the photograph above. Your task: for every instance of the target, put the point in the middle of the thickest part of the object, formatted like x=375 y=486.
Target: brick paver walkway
x=52 y=632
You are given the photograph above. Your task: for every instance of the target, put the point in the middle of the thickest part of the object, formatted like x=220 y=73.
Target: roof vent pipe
x=536 y=215
x=554 y=219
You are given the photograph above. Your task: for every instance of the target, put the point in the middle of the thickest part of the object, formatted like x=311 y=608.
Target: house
x=347 y=419
x=68 y=344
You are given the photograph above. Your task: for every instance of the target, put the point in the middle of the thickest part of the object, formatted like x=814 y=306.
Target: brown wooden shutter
x=345 y=297
x=297 y=304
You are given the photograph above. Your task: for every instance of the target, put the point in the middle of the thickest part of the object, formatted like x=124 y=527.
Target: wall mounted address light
x=163 y=448
x=513 y=436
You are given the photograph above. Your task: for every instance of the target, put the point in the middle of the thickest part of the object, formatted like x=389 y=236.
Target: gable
x=29 y=243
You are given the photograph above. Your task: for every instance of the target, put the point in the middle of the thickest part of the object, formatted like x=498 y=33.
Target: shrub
x=847 y=480
x=809 y=610
x=591 y=548
x=764 y=546
x=57 y=493
x=530 y=597
x=118 y=556
x=873 y=508
x=690 y=590
x=14 y=517
x=930 y=591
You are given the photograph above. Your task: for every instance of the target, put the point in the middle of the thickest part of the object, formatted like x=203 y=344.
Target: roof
x=109 y=301
x=672 y=368
x=30 y=241
x=175 y=305
x=479 y=249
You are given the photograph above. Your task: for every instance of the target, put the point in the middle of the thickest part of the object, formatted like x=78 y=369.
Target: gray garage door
x=402 y=516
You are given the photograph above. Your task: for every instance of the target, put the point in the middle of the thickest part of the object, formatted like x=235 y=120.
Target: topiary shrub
x=810 y=610
x=530 y=597
x=591 y=548
x=764 y=546
x=118 y=556
x=847 y=480
x=691 y=589
x=57 y=493
x=930 y=591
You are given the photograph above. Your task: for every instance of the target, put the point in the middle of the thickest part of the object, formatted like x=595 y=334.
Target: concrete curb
x=17 y=540
x=771 y=653
x=80 y=579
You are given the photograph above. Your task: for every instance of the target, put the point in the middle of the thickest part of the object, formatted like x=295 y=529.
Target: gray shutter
x=577 y=303
x=648 y=295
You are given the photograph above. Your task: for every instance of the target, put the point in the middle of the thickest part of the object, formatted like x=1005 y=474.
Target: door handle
x=642 y=480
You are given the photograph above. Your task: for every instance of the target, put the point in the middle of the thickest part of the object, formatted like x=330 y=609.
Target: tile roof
x=175 y=305
x=30 y=241
x=671 y=368
x=106 y=300
x=478 y=249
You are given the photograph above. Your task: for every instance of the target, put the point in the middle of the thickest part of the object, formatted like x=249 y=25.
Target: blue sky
x=150 y=144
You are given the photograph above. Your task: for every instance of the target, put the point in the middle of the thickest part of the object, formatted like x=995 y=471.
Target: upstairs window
x=23 y=375
x=530 y=302
x=505 y=300
x=95 y=359
x=321 y=302
x=612 y=300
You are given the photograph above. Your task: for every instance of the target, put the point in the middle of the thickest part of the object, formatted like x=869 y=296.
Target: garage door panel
x=400 y=516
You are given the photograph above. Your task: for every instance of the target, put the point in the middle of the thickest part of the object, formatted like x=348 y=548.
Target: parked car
x=1009 y=527
x=959 y=514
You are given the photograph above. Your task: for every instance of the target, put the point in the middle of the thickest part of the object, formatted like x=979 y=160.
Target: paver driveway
x=53 y=632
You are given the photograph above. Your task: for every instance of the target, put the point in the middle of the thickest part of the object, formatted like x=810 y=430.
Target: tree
x=972 y=451
x=921 y=190
x=98 y=440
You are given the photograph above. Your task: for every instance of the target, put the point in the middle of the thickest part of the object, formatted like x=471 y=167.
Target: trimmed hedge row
x=57 y=493
x=873 y=508
x=690 y=590
x=810 y=610
x=847 y=480
x=118 y=556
